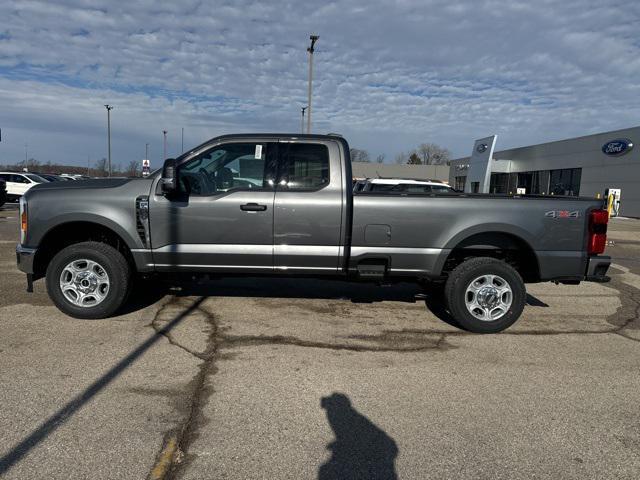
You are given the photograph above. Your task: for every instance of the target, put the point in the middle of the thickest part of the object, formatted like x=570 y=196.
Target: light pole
x=164 y=145
x=314 y=39
x=109 y=108
x=182 y=141
x=146 y=151
x=302 y=121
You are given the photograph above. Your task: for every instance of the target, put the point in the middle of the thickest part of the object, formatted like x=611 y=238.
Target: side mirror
x=169 y=180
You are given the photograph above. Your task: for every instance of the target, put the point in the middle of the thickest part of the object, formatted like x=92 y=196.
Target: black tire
x=460 y=279
x=109 y=259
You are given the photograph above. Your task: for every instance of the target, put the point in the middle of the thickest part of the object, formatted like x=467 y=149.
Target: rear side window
x=383 y=187
x=303 y=166
x=18 y=179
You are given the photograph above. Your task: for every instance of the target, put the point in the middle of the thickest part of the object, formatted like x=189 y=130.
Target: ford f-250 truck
x=276 y=204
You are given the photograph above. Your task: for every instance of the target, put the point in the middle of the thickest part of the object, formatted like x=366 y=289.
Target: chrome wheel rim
x=488 y=297
x=84 y=283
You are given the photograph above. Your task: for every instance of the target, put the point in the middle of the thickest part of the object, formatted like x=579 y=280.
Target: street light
x=109 y=108
x=314 y=39
x=164 y=145
x=302 y=121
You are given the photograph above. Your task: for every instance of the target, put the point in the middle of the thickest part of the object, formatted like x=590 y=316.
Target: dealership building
x=585 y=166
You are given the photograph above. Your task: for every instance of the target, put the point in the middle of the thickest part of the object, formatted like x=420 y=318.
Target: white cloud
x=388 y=74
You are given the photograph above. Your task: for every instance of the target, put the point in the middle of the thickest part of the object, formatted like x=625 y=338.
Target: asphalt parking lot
x=277 y=378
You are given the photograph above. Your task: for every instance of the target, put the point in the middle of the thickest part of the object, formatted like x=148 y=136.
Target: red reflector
x=598 y=220
x=597 y=242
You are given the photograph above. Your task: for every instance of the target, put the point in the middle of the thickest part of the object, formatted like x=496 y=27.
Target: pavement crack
x=384 y=341
x=160 y=330
x=174 y=452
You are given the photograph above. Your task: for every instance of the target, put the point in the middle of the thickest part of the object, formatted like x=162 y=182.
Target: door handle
x=253 y=207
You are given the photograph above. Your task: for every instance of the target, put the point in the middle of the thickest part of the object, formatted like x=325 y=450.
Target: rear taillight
x=598 y=220
x=23 y=220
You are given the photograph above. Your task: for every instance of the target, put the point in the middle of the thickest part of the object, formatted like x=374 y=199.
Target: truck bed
x=417 y=232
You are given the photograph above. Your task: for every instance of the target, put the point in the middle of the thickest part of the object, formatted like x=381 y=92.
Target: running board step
x=373 y=272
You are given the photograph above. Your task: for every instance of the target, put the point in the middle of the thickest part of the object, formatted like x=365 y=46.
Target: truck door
x=221 y=218
x=309 y=211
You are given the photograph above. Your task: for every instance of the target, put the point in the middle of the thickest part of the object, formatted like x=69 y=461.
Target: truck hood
x=87 y=184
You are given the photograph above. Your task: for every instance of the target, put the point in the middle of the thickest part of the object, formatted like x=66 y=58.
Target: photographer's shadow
x=361 y=450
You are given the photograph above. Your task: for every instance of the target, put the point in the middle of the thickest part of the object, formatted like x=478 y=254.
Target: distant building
x=383 y=170
x=584 y=166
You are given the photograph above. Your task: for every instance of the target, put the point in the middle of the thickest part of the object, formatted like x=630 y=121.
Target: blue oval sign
x=617 y=147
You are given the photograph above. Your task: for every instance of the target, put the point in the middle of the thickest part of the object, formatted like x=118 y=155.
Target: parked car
x=404 y=185
x=51 y=177
x=475 y=252
x=359 y=184
x=3 y=192
x=19 y=183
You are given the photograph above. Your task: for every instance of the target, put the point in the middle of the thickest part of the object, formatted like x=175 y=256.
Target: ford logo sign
x=482 y=148
x=617 y=147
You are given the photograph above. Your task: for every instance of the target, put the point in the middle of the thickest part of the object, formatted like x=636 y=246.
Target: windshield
x=36 y=178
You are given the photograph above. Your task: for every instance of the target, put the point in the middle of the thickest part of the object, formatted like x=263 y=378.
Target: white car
x=18 y=183
x=405 y=186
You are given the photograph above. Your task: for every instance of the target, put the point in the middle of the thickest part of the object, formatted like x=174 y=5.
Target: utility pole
x=182 y=142
x=314 y=39
x=302 y=121
x=109 y=108
x=164 y=145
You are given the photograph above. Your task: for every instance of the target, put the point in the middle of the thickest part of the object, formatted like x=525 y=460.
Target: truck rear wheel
x=88 y=280
x=485 y=295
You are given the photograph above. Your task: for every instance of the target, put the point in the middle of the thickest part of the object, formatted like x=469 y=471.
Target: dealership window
x=565 y=181
x=459 y=183
x=499 y=183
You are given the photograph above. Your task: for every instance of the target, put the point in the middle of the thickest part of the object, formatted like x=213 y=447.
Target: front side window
x=440 y=189
x=36 y=178
x=303 y=166
x=225 y=168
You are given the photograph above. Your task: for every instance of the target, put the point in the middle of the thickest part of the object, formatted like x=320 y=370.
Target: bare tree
x=433 y=154
x=401 y=158
x=358 y=155
x=32 y=164
x=132 y=169
x=380 y=158
x=101 y=167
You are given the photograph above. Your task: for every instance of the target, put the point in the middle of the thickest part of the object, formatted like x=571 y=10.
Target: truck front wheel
x=88 y=280
x=485 y=295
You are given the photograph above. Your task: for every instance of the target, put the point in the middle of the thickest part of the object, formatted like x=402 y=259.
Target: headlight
x=23 y=220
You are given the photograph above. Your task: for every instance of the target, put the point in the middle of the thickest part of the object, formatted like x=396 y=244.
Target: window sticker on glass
x=258 y=154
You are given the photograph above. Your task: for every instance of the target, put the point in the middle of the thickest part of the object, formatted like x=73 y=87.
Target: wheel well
x=504 y=246
x=70 y=233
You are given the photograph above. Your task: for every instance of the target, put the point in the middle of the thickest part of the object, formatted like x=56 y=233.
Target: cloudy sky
x=388 y=75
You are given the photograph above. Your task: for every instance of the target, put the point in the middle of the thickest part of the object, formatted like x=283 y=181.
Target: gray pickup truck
x=276 y=204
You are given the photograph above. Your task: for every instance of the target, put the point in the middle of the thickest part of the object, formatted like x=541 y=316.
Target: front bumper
x=597 y=269
x=24 y=258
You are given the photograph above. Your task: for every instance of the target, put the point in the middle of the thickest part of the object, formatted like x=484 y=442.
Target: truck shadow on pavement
x=62 y=415
x=299 y=288
x=361 y=449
